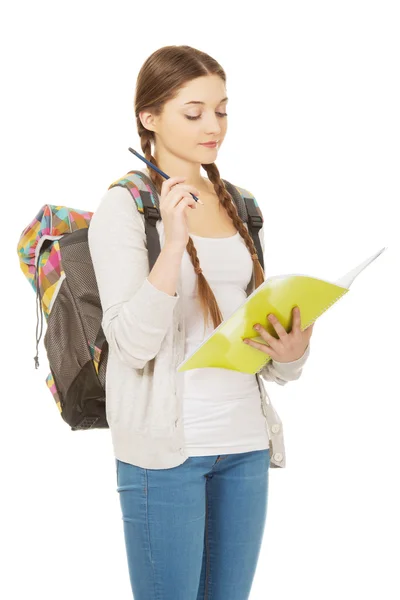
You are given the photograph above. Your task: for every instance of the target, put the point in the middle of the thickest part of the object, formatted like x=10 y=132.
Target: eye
x=221 y=115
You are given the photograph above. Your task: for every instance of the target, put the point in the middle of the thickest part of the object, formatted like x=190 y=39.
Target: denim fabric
x=194 y=532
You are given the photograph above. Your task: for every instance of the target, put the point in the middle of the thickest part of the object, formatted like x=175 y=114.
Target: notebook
x=278 y=294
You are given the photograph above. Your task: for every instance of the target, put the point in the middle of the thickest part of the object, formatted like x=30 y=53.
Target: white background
x=313 y=133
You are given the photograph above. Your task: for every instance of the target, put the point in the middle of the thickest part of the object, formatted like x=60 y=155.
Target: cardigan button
x=278 y=456
x=275 y=428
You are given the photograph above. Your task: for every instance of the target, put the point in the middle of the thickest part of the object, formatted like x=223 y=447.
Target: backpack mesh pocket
x=65 y=341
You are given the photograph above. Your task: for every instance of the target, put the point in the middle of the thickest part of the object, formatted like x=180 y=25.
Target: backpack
x=54 y=256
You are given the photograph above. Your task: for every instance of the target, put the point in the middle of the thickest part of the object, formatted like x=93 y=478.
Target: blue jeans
x=194 y=532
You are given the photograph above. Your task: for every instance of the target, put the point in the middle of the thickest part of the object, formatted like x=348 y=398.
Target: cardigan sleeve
x=136 y=314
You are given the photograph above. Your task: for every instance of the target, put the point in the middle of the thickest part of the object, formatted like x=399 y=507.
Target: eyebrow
x=198 y=101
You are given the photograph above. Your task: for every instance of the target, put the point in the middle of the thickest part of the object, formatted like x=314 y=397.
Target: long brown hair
x=160 y=77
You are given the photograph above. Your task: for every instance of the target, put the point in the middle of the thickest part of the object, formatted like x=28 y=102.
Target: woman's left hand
x=289 y=346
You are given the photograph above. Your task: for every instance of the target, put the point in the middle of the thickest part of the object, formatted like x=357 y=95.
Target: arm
x=276 y=371
x=136 y=314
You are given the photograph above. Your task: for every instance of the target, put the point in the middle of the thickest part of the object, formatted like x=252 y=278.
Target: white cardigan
x=145 y=331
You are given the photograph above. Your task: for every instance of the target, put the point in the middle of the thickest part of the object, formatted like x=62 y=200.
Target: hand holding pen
x=150 y=164
x=174 y=199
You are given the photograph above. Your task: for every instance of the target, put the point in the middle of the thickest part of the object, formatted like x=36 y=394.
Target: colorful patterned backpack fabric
x=54 y=256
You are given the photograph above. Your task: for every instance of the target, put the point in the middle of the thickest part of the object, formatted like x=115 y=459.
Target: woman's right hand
x=175 y=199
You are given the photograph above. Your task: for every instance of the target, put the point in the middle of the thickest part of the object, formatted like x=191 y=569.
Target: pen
x=156 y=168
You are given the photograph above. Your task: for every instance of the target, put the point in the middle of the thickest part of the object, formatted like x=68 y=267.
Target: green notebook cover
x=279 y=294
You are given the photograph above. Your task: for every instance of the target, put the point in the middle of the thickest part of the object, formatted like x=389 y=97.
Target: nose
x=212 y=125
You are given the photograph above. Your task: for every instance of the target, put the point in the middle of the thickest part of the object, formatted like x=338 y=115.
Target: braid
x=146 y=137
x=208 y=301
x=230 y=207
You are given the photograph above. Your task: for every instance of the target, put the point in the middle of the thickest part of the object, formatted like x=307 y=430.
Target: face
x=195 y=116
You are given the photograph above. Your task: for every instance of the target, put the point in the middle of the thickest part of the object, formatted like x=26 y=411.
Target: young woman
x=192 y=449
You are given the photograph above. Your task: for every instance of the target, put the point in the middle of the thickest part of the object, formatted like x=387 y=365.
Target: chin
x=210 y=155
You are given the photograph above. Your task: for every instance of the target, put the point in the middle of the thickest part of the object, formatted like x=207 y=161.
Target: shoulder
x=116 y=193
x=116 y=213
x=115 y=201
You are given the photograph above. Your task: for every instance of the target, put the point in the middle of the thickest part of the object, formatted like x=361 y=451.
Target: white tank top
x=222 y=411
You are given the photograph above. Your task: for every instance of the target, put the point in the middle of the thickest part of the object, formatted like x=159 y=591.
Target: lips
x=209 y=144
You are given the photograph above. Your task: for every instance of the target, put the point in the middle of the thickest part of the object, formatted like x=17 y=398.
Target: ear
x=147 y=120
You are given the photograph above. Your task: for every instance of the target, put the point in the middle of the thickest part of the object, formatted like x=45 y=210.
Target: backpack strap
x=146 y=198
x=249 y=212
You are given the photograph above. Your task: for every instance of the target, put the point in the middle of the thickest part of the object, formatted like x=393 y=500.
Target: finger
x=296 y=319
x=167 y=184
x=188 y=188
x=186 y=201
x=184 y=190
x=265 y=349
x=178 y=196
x=270 y=339
x=280 y=330
x=173 y=180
